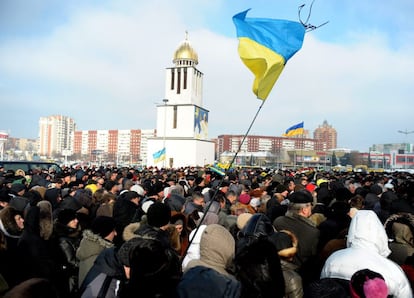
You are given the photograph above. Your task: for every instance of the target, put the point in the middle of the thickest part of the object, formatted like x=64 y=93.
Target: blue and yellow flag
x=159 y=155
x=294 y=130
x=265 y=45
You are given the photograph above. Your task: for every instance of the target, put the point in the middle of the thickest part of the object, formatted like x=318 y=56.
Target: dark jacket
x=205 y=278
x=35 y=252
x=65 y=242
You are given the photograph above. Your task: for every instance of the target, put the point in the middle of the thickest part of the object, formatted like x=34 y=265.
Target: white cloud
x=106 y=69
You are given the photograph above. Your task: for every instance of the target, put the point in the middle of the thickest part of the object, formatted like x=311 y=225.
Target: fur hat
x=158 y=215
x=45 y=219
x=8 y=224
x=103 y=225
x=66 y=215
x=301 y=197
x=369 y=284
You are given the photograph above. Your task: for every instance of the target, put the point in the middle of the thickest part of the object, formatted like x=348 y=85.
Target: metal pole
x=165 y=129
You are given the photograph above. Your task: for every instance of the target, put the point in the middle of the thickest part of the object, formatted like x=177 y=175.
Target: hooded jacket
x=217 y=247
x=90 y=247
x=367 y=248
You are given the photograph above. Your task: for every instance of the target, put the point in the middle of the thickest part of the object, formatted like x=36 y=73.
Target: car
x=28 y=166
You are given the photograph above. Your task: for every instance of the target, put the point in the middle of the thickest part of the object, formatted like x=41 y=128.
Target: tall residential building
x=55 y=135
x=326 y=133
x=182 y=121
x=119 y=146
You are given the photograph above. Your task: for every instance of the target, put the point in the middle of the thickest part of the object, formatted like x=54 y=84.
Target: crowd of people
x=192 y=232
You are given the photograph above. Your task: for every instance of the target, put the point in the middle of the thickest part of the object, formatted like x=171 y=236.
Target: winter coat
x=90 y=247
x=367 y=247
x=105 y=276
x=400 y=230
x=208 y=275
x=306 y=232
x=35 y=253
x=204 y=282
x=257 y=262
x=66 y=241
x=293 y=281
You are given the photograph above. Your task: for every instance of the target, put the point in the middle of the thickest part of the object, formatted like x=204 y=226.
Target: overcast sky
x=103 y=64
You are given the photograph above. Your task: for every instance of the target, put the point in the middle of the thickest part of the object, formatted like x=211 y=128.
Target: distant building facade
x=55 y=135
x=118 y=146
x=326 y=133
x=253 y=143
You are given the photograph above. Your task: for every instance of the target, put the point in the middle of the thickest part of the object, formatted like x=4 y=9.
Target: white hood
x=367 y=232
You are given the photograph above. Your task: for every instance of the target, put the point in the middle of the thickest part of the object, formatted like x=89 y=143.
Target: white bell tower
x=182 y=122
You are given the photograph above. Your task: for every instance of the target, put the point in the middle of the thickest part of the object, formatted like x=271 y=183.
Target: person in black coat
x=126 y=210
x=66 y=240
x=34 y=250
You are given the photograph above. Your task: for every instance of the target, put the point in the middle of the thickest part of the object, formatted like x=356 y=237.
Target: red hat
x=244 y=198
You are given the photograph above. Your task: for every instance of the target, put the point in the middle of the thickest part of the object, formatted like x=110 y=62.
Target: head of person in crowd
x=158 y=215
x=286 y=244
x=157 y=191
x=11 y=222
x=68 y=217
x=112 y=186
x=301 y=203
x=366 y=283
x=147 y=261
x=104 y=226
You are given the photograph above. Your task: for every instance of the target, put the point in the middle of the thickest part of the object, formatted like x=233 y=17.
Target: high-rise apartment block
x=326 y=133
x=55 y=134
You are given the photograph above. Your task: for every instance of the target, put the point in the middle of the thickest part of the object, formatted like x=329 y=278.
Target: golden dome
x=185 y=52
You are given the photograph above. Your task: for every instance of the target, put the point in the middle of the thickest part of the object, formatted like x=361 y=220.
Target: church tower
x=182 y=121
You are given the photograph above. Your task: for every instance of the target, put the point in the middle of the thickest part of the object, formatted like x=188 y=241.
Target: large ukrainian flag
x=265 y=45
x=294 y=130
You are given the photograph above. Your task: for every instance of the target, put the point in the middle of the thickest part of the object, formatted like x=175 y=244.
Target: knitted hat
x=369 y=284
x=103 y=225
x=244 y=198
x=158 y=214
x=66 y=215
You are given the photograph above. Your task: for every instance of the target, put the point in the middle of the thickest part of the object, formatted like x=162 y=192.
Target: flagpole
x=221 y=180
